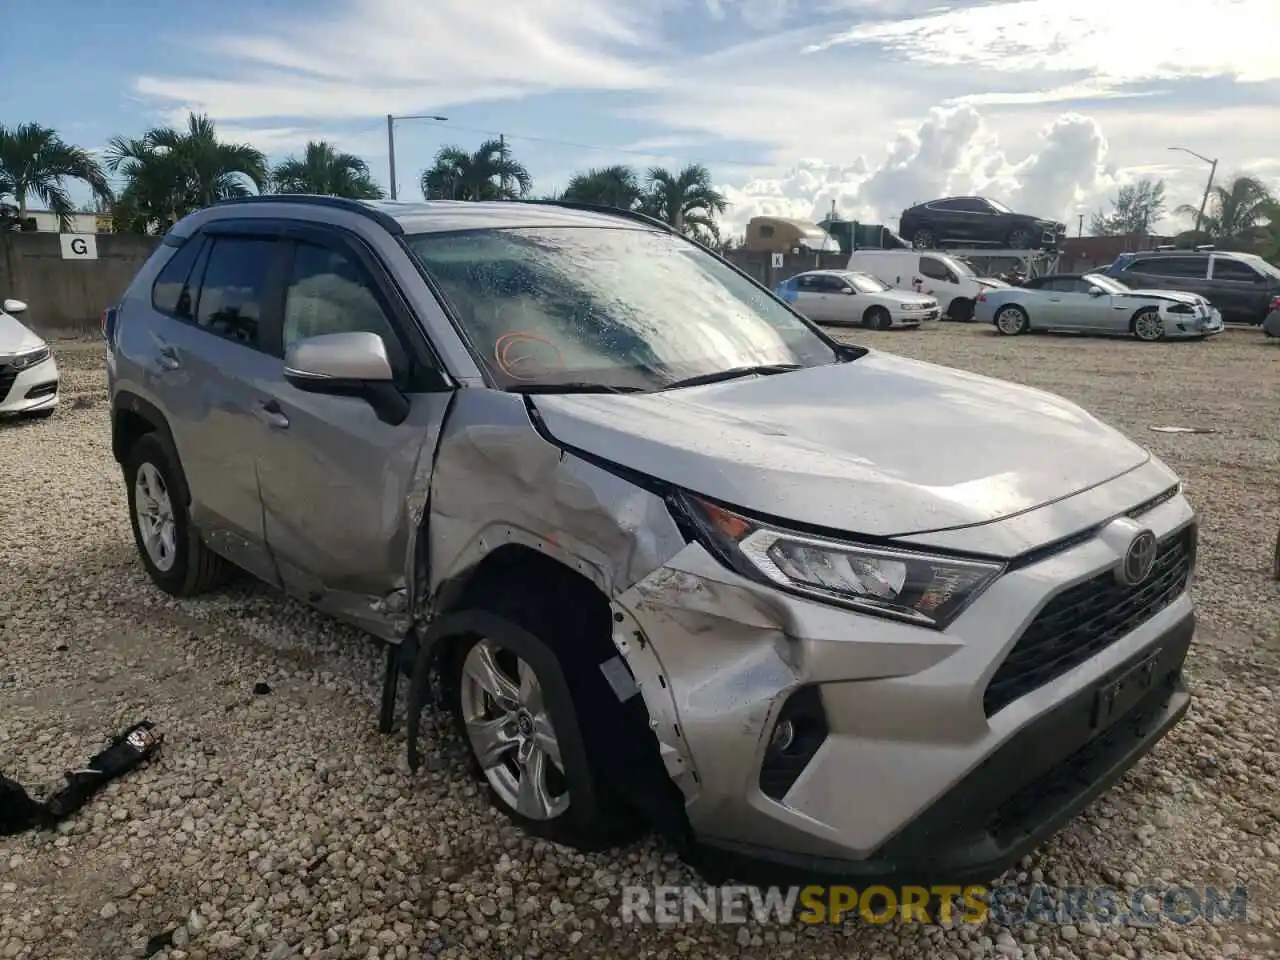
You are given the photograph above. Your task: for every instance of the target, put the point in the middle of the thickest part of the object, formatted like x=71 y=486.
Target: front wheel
x=877 y=318
x=960 y=310
x=923 y=239
x=1012 y=321
x=1147 y=325
x=524 y=738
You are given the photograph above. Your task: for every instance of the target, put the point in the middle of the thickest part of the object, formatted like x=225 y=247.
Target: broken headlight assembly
x=926 y=589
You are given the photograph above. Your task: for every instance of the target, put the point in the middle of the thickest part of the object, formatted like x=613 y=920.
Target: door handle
x=167 y=357
x=269 y=412
x=1055 y=299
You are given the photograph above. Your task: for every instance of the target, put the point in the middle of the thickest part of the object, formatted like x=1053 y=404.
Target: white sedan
x=28 y=373
x=844 y=296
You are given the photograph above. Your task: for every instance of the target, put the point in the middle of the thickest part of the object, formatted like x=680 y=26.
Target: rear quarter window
x=172 y=292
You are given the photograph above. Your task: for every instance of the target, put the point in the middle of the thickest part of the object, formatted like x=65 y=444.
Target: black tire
x=1020 y=239
x=596 y=817
x=1136 y=327
x=1275 y=567
x=960 y=310
x=1017 y=323
x=923 y=239
x=877 y=318
x=40 y=414
x=196 y=569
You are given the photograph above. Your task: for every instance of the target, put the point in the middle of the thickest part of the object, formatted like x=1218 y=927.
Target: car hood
x=1176 y=296
x=882 y=446
x=891 y=298
x=16 y=338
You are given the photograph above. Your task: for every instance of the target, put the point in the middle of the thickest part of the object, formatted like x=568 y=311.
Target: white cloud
x=1137 y=41
x=950 y=152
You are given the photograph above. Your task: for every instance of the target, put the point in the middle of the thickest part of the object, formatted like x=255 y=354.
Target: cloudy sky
x=1047 y=105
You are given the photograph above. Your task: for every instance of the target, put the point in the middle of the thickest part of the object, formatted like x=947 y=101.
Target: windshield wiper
x=572 y=386
x=732 y=373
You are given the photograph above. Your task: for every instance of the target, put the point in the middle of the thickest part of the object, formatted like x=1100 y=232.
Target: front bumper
x=915 y=779
x=1192 y=325
x=30 y=389
x=913 y=318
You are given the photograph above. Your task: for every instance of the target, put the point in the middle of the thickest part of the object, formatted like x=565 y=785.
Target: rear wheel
x=877 y=318
x=1147 y=325
x=171 y=550
x=960 y=310
x=1020 y=239
x=1012 y=320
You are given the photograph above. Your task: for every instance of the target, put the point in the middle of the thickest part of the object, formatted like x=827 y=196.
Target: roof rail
x=605 y=209
x=1205 y=246
x=381 y=217
x=1167 y=246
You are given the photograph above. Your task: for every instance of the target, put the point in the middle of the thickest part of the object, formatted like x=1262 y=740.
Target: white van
x=949 y=281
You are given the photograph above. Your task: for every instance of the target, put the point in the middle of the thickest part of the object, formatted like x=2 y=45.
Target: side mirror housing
x=848 y=291
x=348 y=365
x=1095 y=291
x=15 y=306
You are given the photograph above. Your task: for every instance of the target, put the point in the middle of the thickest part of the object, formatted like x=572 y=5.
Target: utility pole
x=1080 y=227
x=1213 y=169
x=391 y=141
x=502 y=153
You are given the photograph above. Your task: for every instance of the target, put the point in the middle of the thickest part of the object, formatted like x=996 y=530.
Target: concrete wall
x=67 y=296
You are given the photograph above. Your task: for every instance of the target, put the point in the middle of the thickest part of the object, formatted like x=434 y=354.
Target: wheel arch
x=517 y=579
x=133 y=417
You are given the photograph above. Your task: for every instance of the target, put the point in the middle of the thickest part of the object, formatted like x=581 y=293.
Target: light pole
x=1213 y=168
x=391 y=140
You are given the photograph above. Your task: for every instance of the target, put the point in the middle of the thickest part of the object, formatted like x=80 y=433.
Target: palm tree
x=686 y=200
x=488 y=174
x=616 y=186
x=1233 y=211
x=324 y=170
x=34 y=162
x=169 y=173
x=1269 y=240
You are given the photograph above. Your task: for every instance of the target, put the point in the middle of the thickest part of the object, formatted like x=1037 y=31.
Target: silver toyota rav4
x=672 y=557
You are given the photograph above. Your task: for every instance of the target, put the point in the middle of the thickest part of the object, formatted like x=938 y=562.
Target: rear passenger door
x=220 y=291
x=811 y=297
x=337 y=482
x=1239 y=291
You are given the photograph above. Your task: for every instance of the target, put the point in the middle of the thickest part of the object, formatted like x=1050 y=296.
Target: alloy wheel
x=1009 y=321
x=1148 y=326
x=154 y=509
x=510 y=731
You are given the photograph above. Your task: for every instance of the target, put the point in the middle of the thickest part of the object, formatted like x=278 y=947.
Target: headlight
x=24 y=360
x=1180 y=308
x=918 y=587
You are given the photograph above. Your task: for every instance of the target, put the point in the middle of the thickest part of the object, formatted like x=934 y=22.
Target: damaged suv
x=677 y=559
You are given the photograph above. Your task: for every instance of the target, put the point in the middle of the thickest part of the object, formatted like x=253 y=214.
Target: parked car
x=1271 y=325
x=842 y=296
x=1240 y=285
x=941 y=277
x=679 y=558
x=1092 y=303
x=28 y=371
x=977 y=221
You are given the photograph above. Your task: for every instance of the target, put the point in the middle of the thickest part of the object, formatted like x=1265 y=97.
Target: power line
x=595 y=146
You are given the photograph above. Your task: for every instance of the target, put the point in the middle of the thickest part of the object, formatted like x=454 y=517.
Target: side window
x=830 y=284
x=945 y=206
x=1224 y=269
x=328 y=292
x=1190 y=268
x=234 y=288
x=1079 y=285
x=933 y=269
x=808 y=283
x=174 y=290
x=972 y=205
x=766 y=230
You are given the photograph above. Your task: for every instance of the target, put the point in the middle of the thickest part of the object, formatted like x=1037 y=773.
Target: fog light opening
x=798 y=732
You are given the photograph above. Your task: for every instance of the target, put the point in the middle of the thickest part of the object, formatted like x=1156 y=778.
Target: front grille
x=7 y=376
x=1085 y=619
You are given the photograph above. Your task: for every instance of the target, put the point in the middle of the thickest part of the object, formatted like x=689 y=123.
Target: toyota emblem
x=1138 y=559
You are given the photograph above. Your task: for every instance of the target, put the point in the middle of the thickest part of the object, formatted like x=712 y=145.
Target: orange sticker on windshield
x=525 y=356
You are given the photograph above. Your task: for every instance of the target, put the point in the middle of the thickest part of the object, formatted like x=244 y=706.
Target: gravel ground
x=282 y=824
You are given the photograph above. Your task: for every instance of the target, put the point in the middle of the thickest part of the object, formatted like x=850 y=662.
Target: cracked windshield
x=628 y=309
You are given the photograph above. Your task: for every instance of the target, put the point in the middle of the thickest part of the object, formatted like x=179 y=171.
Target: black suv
x=979 y=221
x=1240 y=285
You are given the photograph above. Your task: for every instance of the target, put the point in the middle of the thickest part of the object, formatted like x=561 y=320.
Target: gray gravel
x=282 y=824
